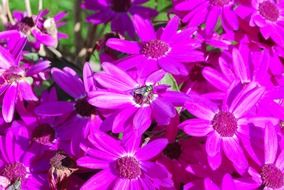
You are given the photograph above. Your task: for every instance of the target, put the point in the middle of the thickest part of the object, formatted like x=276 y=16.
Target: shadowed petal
x=54 y=108
x=72 y=85
x=9 y=101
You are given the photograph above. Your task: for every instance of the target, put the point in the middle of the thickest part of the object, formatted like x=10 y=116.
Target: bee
x=143 y=94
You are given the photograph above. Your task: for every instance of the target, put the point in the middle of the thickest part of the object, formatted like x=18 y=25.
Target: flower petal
x=144 y=28
x=151 y=149
x=9 y=101
x=213 y=144
x=196 y=127
x=270 y=144
x=72 y=85
x=129 y=47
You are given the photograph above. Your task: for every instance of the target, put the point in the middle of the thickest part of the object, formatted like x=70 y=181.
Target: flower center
x=26 y=24
x=219 y=3
x=272 y=177
x=84 y=109
x=120 y=5
x=173 y=150
x=196 y=73
x=128 y=167
x=14 y=171
x=43 y=134
x=155 y=49
x=225 y=124
x=269 y=10
x=143 y=95
x=13 y=74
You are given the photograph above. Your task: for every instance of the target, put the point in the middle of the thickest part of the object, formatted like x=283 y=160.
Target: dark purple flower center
x=271 y=176
x=14 y=171
x=196 y=73
x=120 y=5
x=13 y=74
x=155 y=49
x=43 y=134
x=128 y=167
x=225 y=124
x=219 y=3
x=269 y=10
x=143 y=95
x=26 y=24
x=173 y=150
x=83 y=108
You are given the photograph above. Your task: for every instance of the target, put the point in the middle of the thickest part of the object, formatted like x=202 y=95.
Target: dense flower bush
x=189 y=96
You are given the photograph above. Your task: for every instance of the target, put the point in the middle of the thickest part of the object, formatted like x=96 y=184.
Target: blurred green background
x=67 y=46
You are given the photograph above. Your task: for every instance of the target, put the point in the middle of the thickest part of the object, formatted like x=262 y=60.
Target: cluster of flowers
x=195 y=102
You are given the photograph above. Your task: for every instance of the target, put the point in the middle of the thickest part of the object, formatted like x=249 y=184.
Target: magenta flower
x=209 y=12
x=268 y=15
x=270 y=174
x=44 y=30
x=118 y=12
x=14 y=80
x=168 y=49
x=135 y=102
x=82 y=117
x=21 y=164
x=224 y=126
x=124 y=165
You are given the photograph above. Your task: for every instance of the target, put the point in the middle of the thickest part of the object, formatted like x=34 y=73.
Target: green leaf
x=170 y=80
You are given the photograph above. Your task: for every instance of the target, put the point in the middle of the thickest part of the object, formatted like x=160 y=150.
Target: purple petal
x=234 y=152
x=93 y=163
x=210 y=185
x=213 y=144
x=151 y=149
x=120 y=74
x=99 y=182
x=54 y=108
x=106 y=143
x=212 y=19
x=142 y=119
x=228 y=183
x=144 y=28
x=250 y=100
x=110 y=100
x=240 y=67
x=88 y=77
x=175 y=98
x=6 y=59
x=129 y=47
x=162 y=111
x=26 y=91
x=280 y=161
x=196 y=127
x=215 y=78
x=122 y=117
x=171 y=29
x=37 y=68
x=173 y=66
x=9 y=102
x=121 y=184
x=270 y=144
x=69 y=83
x=201 y=108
